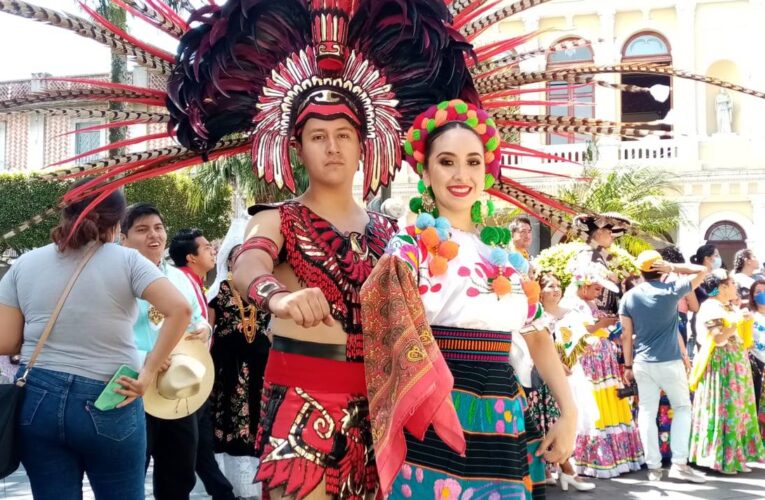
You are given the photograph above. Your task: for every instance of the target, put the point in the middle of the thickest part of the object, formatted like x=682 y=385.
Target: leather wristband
x=259 y=243
x=262 y=288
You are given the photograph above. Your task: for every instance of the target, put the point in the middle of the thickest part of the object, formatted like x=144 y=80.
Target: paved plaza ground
x=631 y=486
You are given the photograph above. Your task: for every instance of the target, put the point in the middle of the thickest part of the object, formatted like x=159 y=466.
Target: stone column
x=36 y=128
x=536 y=141
x=756 y=240
x=688 y=236
x=607 y=52
x=687 y=100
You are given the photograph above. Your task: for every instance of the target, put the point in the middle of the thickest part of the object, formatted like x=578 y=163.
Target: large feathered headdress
x=246 y=72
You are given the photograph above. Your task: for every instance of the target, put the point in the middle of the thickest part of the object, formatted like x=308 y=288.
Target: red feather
x=115 y=145
x=122 y=34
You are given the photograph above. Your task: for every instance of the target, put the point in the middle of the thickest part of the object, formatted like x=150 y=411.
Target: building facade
x=717 y=149
x=720 y=171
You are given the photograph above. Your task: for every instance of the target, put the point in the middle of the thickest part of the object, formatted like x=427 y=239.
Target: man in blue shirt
x=649 y=311
x=172 y=443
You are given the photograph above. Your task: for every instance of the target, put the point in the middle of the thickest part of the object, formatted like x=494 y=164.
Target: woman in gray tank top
x=62 y=434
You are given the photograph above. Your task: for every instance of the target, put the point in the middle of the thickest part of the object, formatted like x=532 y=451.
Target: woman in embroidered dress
x=240 y=352
x=542 y=404
x=724 y=434
x=757 y=306
x=607 y=442
x=440 y=276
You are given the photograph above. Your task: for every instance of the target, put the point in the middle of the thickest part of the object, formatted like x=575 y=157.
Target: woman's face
x=727 y=290
x=456 y=170
x=759 y=288
x=551 y=293
x=710 y=260
x=603 y=237
x=591 y=292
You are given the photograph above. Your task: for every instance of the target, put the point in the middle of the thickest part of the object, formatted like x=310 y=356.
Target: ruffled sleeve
x=409 y=384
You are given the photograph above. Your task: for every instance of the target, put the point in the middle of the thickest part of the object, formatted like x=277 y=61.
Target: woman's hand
x=558 y=445
x=132 y=388
x=606 y=322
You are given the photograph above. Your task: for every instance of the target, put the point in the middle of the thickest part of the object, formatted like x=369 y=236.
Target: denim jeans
x=670 y=377
x=63 y=435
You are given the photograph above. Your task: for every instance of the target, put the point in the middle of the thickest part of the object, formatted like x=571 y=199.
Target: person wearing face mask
x=709 y=257
x=757 y=351
x=724 y=433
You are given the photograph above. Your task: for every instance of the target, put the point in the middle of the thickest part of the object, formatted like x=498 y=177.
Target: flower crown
x=458 y=111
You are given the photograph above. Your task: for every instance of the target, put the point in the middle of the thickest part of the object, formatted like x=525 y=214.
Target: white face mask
x=717 y=262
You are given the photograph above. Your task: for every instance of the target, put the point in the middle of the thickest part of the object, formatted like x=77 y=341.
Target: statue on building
x=724 y=112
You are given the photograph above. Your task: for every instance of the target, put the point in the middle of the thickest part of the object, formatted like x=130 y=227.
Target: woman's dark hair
x=71 y=235
x=545 y=278
x=441 y=131
x=714 y=280
x=702 y=253
x=230 y=255
x=631 y=281
x=752 y=302
x=672 y=255
x=740 y=259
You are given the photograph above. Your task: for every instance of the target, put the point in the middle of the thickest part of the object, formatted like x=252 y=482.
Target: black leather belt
x=304 y=348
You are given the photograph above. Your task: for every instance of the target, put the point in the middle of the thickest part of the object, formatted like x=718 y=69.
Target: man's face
x=330 y=151
x=204 y=260
x=148 y=236
x=522 y=236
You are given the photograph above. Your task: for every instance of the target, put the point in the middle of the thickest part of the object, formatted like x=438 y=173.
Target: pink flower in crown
x=447 y=489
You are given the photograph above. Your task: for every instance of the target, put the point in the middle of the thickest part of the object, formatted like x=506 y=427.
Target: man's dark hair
x=517 y=221
x=672 y=255
x=138 y=211
x=650 y=275
x=183 y=244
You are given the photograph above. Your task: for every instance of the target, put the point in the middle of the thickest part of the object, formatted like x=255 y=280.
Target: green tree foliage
x=557 y=259
x=173 y=195
x=237 y=171
x=24 y=197
x=642 y=194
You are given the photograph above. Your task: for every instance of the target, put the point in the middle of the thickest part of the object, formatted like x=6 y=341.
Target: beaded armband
x=259 y=243
x=261 y=290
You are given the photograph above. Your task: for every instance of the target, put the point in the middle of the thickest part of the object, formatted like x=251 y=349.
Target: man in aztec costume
x=339 y=81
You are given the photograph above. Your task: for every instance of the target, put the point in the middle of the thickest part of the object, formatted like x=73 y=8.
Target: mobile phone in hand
x=108 y=399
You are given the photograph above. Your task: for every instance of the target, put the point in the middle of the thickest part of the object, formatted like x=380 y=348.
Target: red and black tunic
x=337 y=263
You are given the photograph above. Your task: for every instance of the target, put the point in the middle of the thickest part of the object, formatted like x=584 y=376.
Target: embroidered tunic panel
x=335 y=262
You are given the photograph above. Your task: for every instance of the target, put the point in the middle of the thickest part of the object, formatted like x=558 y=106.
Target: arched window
x=725 y=231
x=576 y=100
x=729 y=238
x=646 y=46
x=653 y=48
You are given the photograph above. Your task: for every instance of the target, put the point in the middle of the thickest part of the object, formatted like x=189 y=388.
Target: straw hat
x=646 y=260
x=185 y=386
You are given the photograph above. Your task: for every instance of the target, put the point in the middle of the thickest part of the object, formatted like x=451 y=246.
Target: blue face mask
x=717 y=262
x=759 y=297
